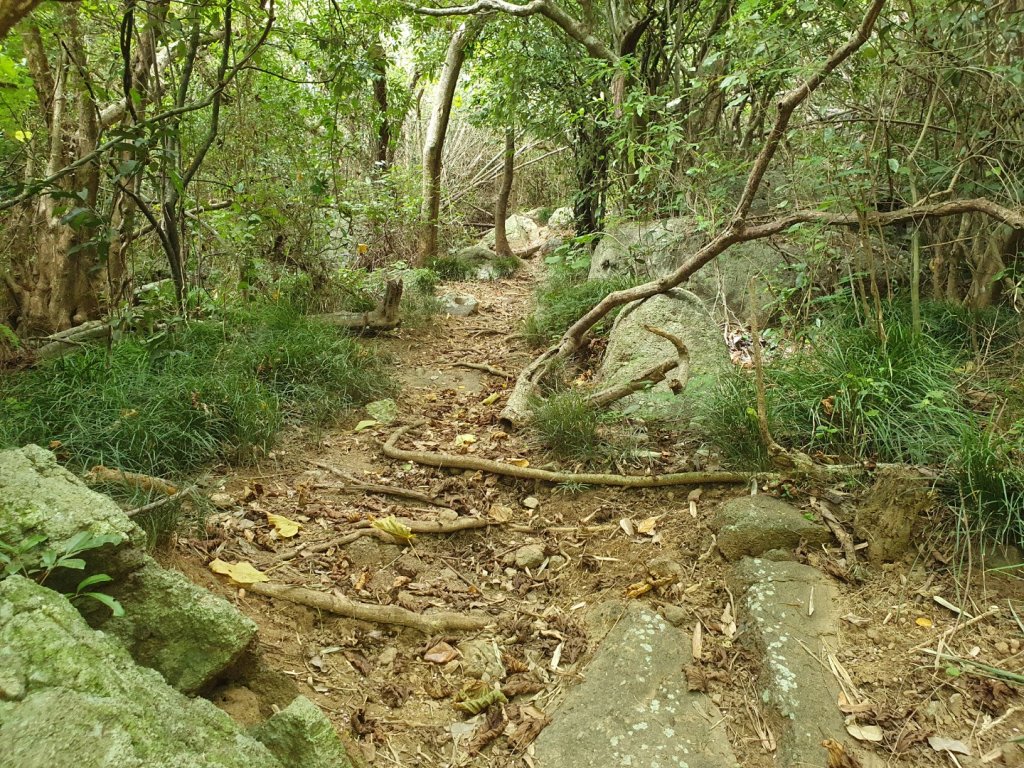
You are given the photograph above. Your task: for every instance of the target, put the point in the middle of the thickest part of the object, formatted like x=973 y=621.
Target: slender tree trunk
x=382 y=154
x=501 y=247
x=433 y=146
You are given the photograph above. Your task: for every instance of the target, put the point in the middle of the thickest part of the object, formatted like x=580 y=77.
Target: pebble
x=448 y=515
x=531 y=502
x=530 y=556
x=1002 y=647
x=674 y=614
x=387 y=656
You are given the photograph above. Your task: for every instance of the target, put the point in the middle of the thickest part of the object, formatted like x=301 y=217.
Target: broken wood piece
x=436 y=623
x=486 y=369
x=384 y=490
x=646 y=379
x=452 y=461
x=384 y=317
x=153 y=505
x=101 y=475
x=845 y=540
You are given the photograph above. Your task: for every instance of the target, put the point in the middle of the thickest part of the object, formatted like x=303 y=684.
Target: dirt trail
x=554 y=557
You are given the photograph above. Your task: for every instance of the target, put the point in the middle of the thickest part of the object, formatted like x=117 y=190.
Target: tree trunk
x=13 y=11
x=382 y=154
x=433 y=146
x=501 y=247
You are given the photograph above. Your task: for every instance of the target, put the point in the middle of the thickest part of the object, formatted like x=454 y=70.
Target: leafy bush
x=850 y=396
x=169 y=405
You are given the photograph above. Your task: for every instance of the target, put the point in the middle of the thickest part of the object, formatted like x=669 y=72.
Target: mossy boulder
x=301 y=736
x=188 y=634
x=751 y=526
x=70 y=695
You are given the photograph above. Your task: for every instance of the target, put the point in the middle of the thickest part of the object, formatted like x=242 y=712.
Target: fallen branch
x=65 y=341
x=101 y=475
x=384 y=490
x=366 y=529
x=649 y=377
x=486 y=369
x=845 y=540
x=451 y=461
x=436 y=623
x=384 y=317
x=161 y=502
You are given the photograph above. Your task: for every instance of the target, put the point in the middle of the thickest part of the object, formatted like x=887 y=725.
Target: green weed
x=451 y=267
x=990 y=477
x=563 y=300
x=569 y=427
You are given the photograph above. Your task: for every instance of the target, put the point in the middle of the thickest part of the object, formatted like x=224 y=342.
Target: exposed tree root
x=384 y=490
x=366 y=529
x=384 y=317
x=486 y=369
x=452 y=461
x=101 y=475
x=435 y=623
x=650 y=377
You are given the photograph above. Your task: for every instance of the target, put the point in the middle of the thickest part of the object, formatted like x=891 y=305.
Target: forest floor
x=393 y=688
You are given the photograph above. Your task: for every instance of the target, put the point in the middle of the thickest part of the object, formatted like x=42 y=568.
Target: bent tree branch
x=517 y=408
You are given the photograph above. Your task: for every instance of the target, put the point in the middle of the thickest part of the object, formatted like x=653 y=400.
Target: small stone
x=665 y=567
x=482 y=659
x=530 y=556
x=674 y=614
x=1002 y=648
x=956 y=704
x=459 y=305
x=1015 y=645
x=387 y=656
x=448 y=515
x=531 y=502
x=557 y=562
x=222 y=500
x=384 y=411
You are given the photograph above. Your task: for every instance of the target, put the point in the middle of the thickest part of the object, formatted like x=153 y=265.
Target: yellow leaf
x=365 y=424
x=461 y=441
x=491 y=399
x=395 y=527
x=519 y=462
x=362 y=248
x=240 y=573
x=285 y=528
x=23 y=136
x=923 y=621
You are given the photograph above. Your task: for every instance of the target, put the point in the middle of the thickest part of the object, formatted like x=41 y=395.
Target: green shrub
x=176 y=402
x=850 y=396
x=452 y=267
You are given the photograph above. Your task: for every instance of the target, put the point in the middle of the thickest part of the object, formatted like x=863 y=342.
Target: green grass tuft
x=990 y=475
x=569 y=427
x=563 y=300
x=452 y=268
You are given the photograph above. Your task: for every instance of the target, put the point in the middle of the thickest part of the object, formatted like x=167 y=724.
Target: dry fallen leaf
x=491 y=399
x=392 y=525
x=647 y=526
x=285 y=527
x=463 y=441
x=838 y=757
x=923 y=621
x=942 y=744
x=627 y=526
x=519 y=462
x=864 y=732
x=441 y=653
x=240 y=573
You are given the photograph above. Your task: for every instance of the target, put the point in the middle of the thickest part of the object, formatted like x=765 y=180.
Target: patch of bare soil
x=552 y=555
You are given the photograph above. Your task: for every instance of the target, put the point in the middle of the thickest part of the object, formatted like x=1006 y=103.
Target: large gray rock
x=186 y=633
x=786 y=610
x=634 y=708
x=632 y=350
x=653 y=249
x=749 y=526
x=183 y=631
x=70 y=695
x=301 y=736
x=561 y=220
x=39 y=497
x=522 y=232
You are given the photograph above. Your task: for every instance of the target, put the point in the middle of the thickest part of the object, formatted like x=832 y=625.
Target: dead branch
x=384 y=317
x=101 y=475
x=451 y=461
x=845 y=541
x=486 y=369
x=63 y=342
x=648 y=378
x=435 y=623
x=366 y=529
x=517 y=407
x=161 y=502
x=384 y=490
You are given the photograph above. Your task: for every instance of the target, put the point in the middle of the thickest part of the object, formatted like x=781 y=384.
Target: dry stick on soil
x=844 y=539
x=486 y=369
x=649 y=377
x=452 y=461
x=366 y=529
x=384 y=490
x=429 y=623
x=161 y=502
x=517 y=408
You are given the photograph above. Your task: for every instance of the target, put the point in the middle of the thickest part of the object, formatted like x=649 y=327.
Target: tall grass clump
x=568 y=426
x=852 y=396
x=175 y=402
x=990 y=478
x=563 y=299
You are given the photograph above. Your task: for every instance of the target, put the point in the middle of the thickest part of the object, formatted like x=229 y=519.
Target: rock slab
x=73 y=696
x=301 y=736
x=749 y=526
x=786 y=609
x=634 y=709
